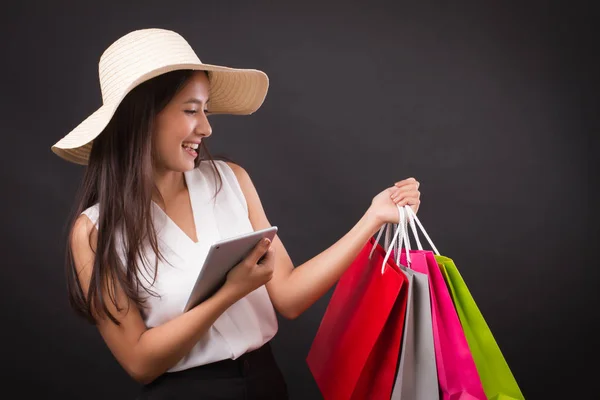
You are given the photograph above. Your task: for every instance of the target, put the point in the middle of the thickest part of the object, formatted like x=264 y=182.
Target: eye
x=194 y=112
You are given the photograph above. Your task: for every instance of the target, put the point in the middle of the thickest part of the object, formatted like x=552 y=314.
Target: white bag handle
x=405 y=239
x=396 y=237
x=389 y=246
x=388 y=233
x=386 y=245
x=412 y=218
x=377 y=241
x=401 y=237
x=398 y=245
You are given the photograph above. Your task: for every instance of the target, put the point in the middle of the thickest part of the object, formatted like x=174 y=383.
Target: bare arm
x=147 y=353
x=298 y=288
x=293 y=290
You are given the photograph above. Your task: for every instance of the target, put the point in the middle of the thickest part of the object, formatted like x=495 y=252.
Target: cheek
x=171 y=136
x=160 y=141
x=172 y=127
x=164 y=145
x=179 y=129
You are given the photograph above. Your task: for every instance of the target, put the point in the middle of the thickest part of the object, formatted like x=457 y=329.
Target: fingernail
x=266 y=241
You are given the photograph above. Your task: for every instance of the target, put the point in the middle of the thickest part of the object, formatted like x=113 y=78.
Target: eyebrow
x=194 y=100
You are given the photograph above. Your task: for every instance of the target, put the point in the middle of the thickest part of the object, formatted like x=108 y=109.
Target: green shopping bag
x=496 y=377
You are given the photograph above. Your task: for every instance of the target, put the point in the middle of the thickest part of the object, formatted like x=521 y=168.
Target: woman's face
x=181 y=126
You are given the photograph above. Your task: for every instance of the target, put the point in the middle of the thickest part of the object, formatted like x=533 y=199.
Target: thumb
x=259 y=250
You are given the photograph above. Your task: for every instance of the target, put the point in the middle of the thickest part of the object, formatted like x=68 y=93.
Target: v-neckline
x=194 y=213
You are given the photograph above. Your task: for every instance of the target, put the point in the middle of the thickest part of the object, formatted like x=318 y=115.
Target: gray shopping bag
x=416 y=377
x=417 y=371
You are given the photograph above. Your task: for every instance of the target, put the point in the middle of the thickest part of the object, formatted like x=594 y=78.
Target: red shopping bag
x=355 y=351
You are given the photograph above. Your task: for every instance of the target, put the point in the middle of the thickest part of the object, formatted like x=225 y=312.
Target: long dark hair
x=119 y=177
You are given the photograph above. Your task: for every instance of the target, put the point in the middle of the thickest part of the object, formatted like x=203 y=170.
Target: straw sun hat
x=144 y=54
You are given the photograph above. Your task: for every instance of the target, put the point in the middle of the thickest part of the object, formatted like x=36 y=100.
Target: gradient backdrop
x=489 y=104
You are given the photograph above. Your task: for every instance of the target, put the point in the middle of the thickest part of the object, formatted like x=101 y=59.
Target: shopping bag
x=457 y=374
x=496 y=376
x=356 y=348
x=416 y=378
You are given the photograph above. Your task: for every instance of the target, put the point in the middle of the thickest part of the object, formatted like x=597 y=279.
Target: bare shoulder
x=240 y=173
x=83 y=227
x=245 y=182
x=256 y=213
x=83 y=246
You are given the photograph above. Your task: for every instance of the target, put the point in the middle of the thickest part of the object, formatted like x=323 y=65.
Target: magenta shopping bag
x=457 y=374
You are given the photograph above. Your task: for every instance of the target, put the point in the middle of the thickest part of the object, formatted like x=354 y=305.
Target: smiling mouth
x=190 y=148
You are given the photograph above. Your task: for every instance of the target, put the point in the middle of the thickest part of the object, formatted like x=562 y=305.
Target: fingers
x=397 y=196
x=266 y=267
x=411 y=201
x=406 y=192
x=409 y=191
x=414 y=203
x=267 y=256
x=259 y=250
x=407 y=181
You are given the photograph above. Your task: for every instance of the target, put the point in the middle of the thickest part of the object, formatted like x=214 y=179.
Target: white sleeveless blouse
x=246 y=325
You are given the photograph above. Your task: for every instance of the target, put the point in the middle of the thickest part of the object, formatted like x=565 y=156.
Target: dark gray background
x=489 y=104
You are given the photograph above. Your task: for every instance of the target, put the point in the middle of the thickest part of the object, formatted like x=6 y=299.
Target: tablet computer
x=221 y=258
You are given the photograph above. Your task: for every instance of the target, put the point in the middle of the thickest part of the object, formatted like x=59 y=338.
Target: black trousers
x=254 y=375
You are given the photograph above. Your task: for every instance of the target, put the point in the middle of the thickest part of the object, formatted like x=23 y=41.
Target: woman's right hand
x=252 y=272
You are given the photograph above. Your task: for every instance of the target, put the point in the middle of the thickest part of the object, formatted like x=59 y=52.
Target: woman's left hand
x=402 y=193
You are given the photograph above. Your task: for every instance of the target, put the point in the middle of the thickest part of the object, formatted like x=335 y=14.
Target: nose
x=203 y=127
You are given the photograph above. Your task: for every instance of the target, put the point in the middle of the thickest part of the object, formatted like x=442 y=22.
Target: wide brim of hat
x=232 y=91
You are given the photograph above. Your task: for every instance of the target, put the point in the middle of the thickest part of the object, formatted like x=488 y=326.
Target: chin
x=190 y=165
x=184 y=167
x=180 y=166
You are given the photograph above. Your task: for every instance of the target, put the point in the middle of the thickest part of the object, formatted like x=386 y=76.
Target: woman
x=147 y=214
